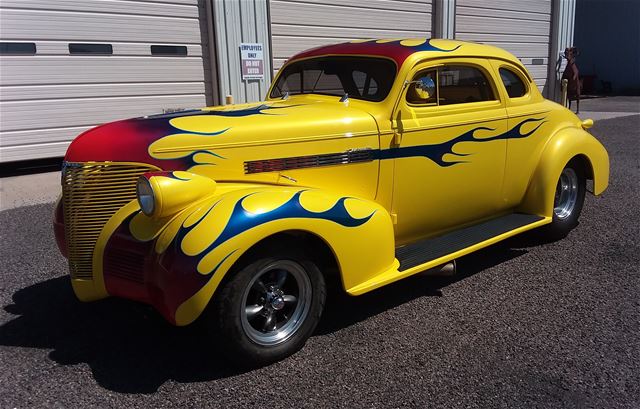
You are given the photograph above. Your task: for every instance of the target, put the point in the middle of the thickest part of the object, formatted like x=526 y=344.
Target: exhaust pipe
x=445 y=270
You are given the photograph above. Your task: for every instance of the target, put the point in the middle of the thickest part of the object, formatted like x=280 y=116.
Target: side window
x=455 y=84
x=462 y=84
x=512 y=82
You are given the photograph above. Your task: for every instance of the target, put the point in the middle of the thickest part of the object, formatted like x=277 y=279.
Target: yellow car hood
x=227 y=137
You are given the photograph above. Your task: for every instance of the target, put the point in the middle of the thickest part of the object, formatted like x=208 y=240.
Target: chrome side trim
x=312 y=161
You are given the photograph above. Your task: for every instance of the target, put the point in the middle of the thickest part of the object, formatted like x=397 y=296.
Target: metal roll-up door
x=520 y=27
x=299 y=25
x=93 y=63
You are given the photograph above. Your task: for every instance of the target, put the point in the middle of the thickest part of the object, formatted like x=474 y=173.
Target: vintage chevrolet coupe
x=368 y=162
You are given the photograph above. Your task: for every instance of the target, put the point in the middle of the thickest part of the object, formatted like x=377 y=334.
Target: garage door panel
x=523 y=50
x=32 y=92
x=484 y=12
x=537 y=71
x=119 y=48
x=87 y=111
x=338 y=16
x=398 y=5
x=520 y=27
x=36 y=151
x=109 y=6
x=76 y=69
x=490 y=25
x=342 y=33
x=35 y=136
x=47 y=99
x=297 y=25
x=79 y=26
x=506 y=38
x=535 y=6
x=287 y=46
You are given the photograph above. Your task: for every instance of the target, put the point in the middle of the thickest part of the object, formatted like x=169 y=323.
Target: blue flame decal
x=426 y=46
x=437 y=152
x=256 y=110
x=242 y=220
x=172 y=175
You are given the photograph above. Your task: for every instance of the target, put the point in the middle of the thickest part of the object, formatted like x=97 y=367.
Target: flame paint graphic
x=179 y=133
x=397 y=49
x=256 y=110
x=242 y=220
x=416 y=45
x=437 y=152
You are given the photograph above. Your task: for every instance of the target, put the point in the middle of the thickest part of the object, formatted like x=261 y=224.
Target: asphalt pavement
x=523 y=325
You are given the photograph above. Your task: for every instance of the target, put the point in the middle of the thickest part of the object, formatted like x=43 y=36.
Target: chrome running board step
x=421 y=252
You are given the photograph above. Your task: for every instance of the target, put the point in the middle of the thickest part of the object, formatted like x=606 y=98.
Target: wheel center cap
x=277 y=303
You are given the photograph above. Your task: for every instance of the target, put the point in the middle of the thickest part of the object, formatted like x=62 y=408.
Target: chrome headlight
x=146 y=198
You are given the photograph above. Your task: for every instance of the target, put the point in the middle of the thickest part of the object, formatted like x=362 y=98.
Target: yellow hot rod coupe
x=368 y=162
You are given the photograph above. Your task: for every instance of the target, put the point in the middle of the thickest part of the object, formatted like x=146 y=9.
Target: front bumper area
x=133 y=270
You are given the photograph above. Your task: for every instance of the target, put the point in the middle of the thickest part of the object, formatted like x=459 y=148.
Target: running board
x=423 y=251
x=433 y=252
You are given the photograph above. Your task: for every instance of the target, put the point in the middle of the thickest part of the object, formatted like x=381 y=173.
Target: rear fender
x=559 y=150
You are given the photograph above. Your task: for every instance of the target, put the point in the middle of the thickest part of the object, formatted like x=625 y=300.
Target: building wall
x=608 y=38
x=520 y=27
x=237 y=22
x=297 y=25
x=48 y=98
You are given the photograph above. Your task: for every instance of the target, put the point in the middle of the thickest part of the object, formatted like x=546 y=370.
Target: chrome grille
x=92 y=193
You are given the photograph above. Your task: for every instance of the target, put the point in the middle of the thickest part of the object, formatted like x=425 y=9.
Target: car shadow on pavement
x=131 y=349
x=128 y=346
x=342 y=310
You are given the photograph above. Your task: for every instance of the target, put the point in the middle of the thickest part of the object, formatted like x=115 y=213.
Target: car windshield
x=360 y=77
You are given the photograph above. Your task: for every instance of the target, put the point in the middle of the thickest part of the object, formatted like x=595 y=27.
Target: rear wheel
x=267 y=310
x=568 y=200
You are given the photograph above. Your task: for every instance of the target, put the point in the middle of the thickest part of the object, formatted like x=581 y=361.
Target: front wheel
x=268 y=309
x=568 y=200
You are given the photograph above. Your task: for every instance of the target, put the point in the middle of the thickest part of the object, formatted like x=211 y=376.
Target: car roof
x=401 y=49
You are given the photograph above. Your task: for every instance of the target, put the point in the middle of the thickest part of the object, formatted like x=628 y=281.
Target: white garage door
x=69 y=65
x=521 y=27
x=298 y=25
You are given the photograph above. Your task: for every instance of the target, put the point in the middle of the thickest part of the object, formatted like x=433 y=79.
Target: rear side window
x=463 y=84
x=512 y=82
x=448 y=85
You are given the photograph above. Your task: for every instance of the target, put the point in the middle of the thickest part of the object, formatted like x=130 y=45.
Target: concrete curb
x=18 y=191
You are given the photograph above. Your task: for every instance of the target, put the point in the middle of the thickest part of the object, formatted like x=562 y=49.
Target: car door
x=449 y=154
x=528 y=114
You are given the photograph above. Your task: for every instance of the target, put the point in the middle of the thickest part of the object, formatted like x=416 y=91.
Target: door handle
x=397 y=138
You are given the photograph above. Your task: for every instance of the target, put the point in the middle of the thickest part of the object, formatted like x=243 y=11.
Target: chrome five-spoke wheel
x=567 y=201
x=276 y=302
x=269 y=305
x=566 y=195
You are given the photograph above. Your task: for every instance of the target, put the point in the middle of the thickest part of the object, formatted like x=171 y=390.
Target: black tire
x=565 y=215
x=242 y=345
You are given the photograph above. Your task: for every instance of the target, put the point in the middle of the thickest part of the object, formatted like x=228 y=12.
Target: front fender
x=206 y=239
x=559 y=150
